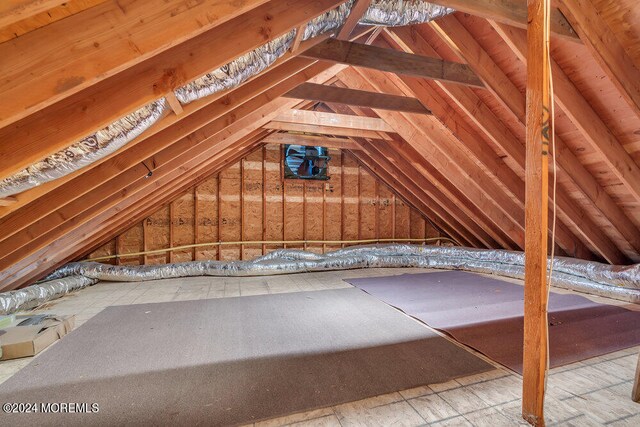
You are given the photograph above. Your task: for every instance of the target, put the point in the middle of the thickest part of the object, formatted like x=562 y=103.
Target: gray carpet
x=234 y=360
x=487 y=315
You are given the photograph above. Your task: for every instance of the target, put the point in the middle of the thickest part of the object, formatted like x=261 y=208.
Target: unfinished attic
x=273 y=212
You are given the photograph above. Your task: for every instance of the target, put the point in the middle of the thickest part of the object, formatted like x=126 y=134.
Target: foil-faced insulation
x=86 y=151
x=237 y=71
x=618 y=282
x=392 y=13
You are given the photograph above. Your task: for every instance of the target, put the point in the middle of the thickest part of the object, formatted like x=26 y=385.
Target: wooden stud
x=342 y=197
x=219 y=222
x=145 y=242
x=171 y=232
x=242 y=210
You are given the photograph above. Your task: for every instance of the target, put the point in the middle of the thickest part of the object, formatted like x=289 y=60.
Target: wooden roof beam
x=594 y=130
x=33 y=78
x=359 y=98
x=605 y=48
x=127 y=166
x=59 y=125
x=166 y=163
x=464 y=45
x=106 y=224
x=442 y=150
x=393 y=61
x=405 y=160
x=565 y=238
x=511 y=12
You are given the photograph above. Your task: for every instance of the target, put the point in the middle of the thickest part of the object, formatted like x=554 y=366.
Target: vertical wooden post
x=145 y=240
x=635 y=393
x=539 y=98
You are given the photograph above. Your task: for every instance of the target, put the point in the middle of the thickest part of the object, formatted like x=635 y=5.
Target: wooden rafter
x=404 y=161
x=429 y=207
x=582 y=115
x=255 y=115
x=362 y=55
x=359 y=98
x=511 y=12
x=462 y=43
x=438 y=145
x=102 y=226
x=605 y=48
x=32 y=78
x=207 y=121
x=76 y=116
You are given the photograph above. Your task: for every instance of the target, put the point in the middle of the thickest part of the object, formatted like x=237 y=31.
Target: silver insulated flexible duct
x=618 y=282
x=86 y=151
x=107 y=140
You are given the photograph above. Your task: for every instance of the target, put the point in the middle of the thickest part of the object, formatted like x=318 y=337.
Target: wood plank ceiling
x=447 y=132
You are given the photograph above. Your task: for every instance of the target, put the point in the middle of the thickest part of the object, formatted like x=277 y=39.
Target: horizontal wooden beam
x=359 y=98
x=511 y=12
x=311 y=140
x=318 y=118
x=324 y=130
x=393 y=61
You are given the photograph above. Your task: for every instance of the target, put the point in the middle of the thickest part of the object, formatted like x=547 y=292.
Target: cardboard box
x=25 y=341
